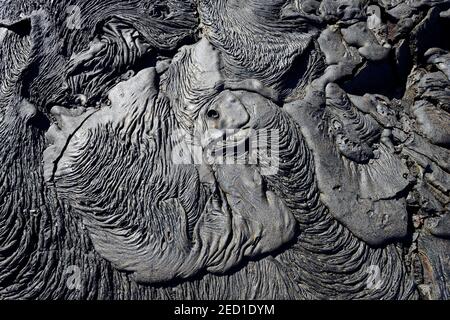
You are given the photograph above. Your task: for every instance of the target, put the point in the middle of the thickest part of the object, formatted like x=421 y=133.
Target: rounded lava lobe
x=335 y=93
x=257 y=112
x=235 y=116
x=227 y=112
x=261 y=221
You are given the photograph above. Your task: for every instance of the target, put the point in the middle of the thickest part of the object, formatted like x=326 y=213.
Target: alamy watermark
x=73 y=281
x=229 y=147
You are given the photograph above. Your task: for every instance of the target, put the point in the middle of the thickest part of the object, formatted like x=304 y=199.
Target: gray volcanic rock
x=226 y=149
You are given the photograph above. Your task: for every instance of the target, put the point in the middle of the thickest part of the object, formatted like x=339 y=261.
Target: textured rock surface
x=224 y=149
